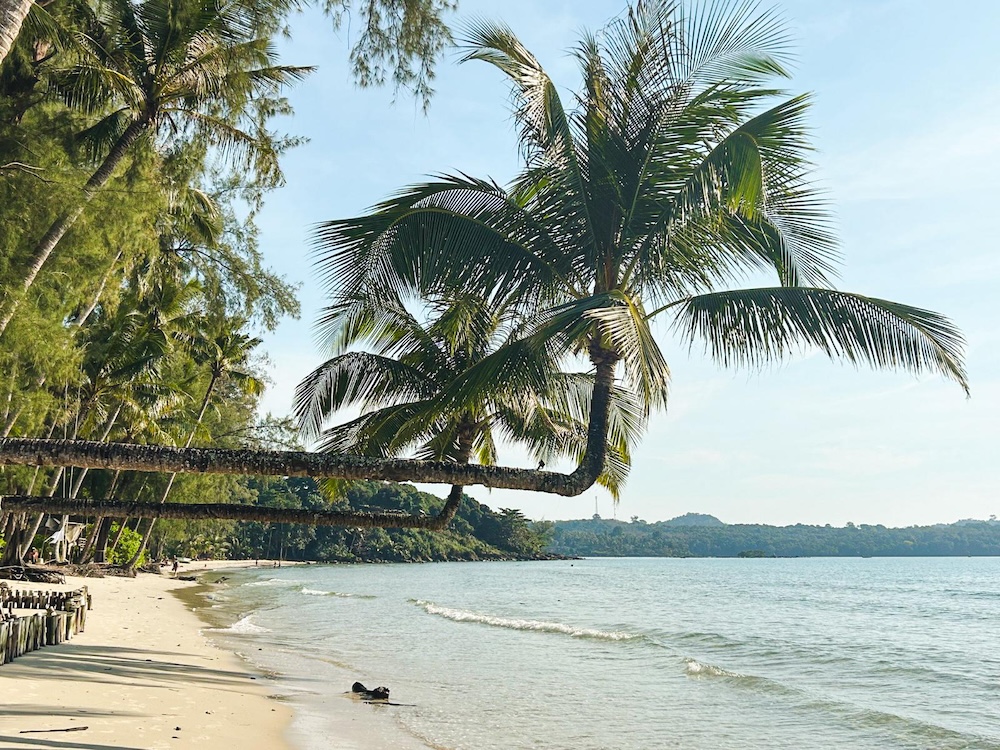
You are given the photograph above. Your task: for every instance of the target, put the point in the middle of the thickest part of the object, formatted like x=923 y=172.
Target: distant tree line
x=607 y=538
x=476 y=533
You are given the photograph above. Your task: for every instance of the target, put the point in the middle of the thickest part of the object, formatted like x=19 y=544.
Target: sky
x=908 y=148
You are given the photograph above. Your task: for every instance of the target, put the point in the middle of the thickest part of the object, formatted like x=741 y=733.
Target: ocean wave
x=715 y=640
x=243 y=626
x=317 y=592
x=694 y=668
x=269 y=582
x=900 y=727
x=461 y=615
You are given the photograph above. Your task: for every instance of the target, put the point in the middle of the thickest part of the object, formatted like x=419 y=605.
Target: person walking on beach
x=174 y=568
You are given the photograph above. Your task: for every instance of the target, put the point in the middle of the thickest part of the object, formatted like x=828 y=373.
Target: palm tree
x=680 y=172
x=675 y=177
x=166 y=69
x=225 y=352
x=448 y=387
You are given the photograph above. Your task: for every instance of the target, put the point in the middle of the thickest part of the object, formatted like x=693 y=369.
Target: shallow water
x=699 y=654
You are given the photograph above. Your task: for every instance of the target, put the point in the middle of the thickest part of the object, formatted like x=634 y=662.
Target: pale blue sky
x=905 y=119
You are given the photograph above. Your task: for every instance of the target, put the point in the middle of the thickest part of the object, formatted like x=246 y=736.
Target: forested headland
x=705 y=536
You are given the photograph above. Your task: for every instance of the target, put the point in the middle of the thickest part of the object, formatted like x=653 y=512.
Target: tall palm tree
x=447 y=386
x=166 y=69
x=680 y=172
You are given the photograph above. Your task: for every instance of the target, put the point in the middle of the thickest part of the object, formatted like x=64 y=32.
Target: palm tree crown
x=680 y=171
x=448 y=383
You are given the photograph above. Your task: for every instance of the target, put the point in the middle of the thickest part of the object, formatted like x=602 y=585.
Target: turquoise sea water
x=698 y=654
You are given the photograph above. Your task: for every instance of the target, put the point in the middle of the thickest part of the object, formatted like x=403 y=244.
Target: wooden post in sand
x=65 y=615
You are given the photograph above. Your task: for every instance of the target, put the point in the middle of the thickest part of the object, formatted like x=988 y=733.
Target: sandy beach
x=142 y=676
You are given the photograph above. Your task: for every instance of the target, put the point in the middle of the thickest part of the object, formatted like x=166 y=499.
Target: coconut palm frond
x=755 y=327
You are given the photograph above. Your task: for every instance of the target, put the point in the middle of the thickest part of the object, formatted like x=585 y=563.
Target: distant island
x=699 y=535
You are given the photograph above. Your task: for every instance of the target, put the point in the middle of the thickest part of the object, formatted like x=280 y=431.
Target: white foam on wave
x=461 y=615
x=695 y=668
x=315 y=592
x=243 y=626
x=268 y=582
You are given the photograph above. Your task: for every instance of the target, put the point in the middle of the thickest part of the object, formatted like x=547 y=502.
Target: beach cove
x=698 y=654
x=628 y=653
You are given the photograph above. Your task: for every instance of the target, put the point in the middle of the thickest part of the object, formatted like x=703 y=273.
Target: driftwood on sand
x=375 y=694
x=32 y=574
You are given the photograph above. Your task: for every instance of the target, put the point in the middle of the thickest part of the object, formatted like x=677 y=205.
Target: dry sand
x=142 y=676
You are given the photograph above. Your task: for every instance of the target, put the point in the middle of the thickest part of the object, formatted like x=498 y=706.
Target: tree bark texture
x=164 y=459
x=223 y=511
x=12 y=15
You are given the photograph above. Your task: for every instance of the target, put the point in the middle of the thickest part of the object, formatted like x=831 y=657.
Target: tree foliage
x=608 y=538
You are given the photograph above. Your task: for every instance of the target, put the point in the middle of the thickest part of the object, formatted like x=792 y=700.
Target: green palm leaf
x=754 y=327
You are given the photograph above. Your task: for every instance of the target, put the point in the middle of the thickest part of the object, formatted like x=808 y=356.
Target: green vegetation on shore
x=609 y=538
x=476 y=532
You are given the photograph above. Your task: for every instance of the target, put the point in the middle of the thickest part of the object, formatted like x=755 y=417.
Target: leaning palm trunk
x=103 y=554
x=96 y=300
x=66 y=220
x=230 y=511
x=101 y=526
x=236 y=512
x=455 y=495
x=164 y=459
x=12 y=15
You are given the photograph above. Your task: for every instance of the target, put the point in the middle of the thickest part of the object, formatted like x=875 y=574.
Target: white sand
x=142 y=676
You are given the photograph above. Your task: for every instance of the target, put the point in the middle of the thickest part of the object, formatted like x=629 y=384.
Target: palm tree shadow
x=123 y=664
x=67 y=711
x=33 y=741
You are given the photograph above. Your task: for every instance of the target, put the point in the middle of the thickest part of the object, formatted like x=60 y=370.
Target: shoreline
x=143 y=675
x=325 y=715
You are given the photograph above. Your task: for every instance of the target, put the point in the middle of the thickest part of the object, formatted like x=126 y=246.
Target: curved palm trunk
x=66 y=220
x=592 y=464
x=17 y=451
x=168 y=459
x=12 y=15
x=466 y=436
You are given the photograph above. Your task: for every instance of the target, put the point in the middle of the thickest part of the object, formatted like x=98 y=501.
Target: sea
x=623 y=653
